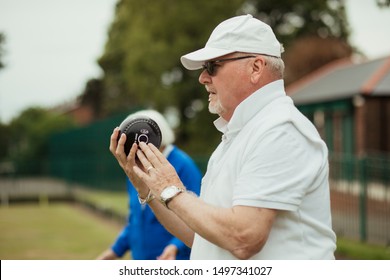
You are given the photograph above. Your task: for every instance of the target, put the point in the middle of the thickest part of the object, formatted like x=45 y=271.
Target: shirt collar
x=245 y=111
x=167 y=150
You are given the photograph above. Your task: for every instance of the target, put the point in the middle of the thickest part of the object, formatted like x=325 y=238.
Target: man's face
x=226 y=85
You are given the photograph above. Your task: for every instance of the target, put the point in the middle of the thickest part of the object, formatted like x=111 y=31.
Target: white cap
x=238 y=34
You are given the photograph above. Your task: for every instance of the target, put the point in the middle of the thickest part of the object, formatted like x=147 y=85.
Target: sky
x=52 y=47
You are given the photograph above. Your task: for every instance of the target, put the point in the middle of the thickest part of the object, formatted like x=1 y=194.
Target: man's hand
x=127 y=163
x=109 y=254
x=169 y=253
x=156 y=172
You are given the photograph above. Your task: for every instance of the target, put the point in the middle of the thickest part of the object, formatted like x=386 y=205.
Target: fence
x=81 y=156
x=360 y=196
x=360 y=187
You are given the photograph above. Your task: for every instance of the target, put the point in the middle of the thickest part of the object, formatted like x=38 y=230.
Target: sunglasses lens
x=209 y=67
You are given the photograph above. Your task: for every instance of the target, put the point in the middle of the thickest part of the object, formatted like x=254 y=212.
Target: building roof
x=343 y=79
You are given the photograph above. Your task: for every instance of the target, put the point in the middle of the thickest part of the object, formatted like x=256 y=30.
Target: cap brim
x=195 y=60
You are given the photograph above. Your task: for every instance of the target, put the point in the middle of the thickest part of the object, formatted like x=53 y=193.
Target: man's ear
x=258 y=68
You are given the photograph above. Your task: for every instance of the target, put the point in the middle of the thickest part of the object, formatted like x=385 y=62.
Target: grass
x=64 y=231
x=354 y=250
x=346 y=249
x=116 y=202
x=55 y=231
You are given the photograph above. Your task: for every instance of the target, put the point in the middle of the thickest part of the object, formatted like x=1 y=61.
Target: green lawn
x=64 y=231
x=116 y=202
x=55 y=231
x=354 y=250
x=346 y=249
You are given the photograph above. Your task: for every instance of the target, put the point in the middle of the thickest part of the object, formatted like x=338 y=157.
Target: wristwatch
x=169 y=193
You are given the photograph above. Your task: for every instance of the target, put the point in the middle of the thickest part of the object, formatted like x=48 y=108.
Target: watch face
x=169 y=192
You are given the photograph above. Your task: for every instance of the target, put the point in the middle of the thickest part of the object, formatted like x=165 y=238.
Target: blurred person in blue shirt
x=143 y=235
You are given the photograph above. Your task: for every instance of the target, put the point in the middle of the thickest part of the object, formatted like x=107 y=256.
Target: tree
x=307 y=54
x=3 y=128
x=5 y=140
x=383 y=3
x=92 y=96
x=2 y=42
x=292 y=19
x=30 y=133
x=313 y=32
x=141 y=59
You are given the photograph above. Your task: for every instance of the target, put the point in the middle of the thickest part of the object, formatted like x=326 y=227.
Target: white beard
x=216 y=108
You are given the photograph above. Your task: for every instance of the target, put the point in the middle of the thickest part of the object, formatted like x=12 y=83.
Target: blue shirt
x=143 y=235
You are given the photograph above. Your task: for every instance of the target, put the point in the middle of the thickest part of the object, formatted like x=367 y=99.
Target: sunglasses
x=211 y=66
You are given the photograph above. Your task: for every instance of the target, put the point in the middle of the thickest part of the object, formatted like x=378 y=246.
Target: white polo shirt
x=271 y=156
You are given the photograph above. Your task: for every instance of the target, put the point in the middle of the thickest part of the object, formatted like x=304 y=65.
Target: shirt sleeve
x=178 y=243
x=190 y=175
x=278 y=171
x=121 y=245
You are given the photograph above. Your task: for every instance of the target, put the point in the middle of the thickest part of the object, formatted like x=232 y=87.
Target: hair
x=276 y=65
x=168 y=136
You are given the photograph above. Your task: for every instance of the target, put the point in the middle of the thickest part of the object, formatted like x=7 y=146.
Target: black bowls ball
x=140 y=129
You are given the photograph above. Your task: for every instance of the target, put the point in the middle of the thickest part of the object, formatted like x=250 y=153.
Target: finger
x=120 y=148
x=150 y=154
x=139 y=173
x=157 y=153
x=114 y=140
x=144 y=161
x=132 y=153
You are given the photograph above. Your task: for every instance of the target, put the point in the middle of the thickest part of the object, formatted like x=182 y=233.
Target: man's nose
x=204 y=77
